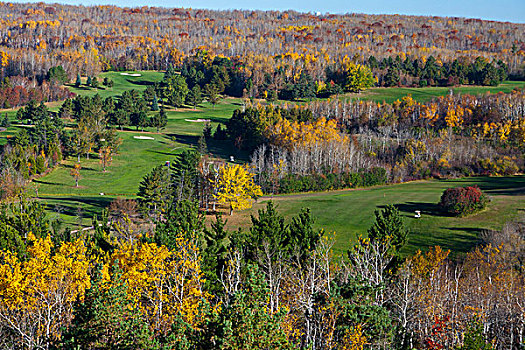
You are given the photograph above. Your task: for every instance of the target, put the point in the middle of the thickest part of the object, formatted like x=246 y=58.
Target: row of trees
x=448 y=136
x=196 y=177
x=429 y=72
x=19 y=91
x=74 y=37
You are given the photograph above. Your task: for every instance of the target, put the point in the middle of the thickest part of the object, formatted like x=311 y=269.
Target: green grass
x=121 y=83
x=351 y=213
x=392 y=94
x=135 y=159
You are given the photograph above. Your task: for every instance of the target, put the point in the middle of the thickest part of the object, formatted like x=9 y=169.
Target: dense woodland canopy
x=267 y=51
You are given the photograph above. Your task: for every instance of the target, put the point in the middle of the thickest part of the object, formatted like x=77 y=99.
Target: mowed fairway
x=350 y=213
x=425 y=94
x=122 y=81
x=135 y=159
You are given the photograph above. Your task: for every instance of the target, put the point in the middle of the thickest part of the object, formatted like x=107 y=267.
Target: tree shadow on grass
x=38 y=181
x=69 y=166
x=508 y=192
x=90 y=205
x=459 y=240
x=502 y=186
x=188 y=140
x=167 y=153
x=219 y=148
x=222 y=120
x=426 y=209
x=140 y=82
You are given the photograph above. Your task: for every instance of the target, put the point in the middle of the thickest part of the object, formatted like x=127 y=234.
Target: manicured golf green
x=351 y=213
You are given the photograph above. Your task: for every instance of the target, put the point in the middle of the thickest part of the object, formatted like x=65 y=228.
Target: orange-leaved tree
x=75 y=173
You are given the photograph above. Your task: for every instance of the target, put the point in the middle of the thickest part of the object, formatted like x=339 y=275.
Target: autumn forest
x=177 y=178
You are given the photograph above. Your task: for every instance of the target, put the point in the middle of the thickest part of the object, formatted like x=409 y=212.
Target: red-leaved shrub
x=461 y=201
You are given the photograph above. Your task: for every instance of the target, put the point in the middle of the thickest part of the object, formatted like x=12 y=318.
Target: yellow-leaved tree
x=358 y=76
x=37 y=295
x=163 y=284
x=236 y=187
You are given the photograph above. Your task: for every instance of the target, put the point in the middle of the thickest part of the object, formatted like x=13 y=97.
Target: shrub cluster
x=462 y=201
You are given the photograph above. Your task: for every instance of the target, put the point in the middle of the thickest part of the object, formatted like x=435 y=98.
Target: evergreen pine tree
x=88 y=82
x=155 y=103
x=94 y=83
x=182 y=218
x=203 y=147
x=78 y=81
x=194 y=96
x=389 y=226
x=474 y=338
x=184 y=175
x=215 y=255
x=154 y=191
x=106 y=319
x=5 y=123
x=270 y=229
x=206 y=131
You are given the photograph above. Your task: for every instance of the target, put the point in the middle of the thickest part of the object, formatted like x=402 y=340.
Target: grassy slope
x=136 y=157
x=389 y=95
x=350 y=213
x=121 y=83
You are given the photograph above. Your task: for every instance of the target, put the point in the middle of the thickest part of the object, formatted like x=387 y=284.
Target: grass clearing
x=425 y=94
x=350 y=213
x=121 y=83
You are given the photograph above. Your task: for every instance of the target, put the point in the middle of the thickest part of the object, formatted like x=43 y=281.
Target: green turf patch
x=351 y=213
x=121 y=82
x=392 y=94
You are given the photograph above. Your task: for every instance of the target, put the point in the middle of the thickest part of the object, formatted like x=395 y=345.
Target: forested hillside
x=370 y=168
x=269 y=51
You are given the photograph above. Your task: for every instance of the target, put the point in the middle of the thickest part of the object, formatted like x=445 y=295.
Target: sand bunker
x=197 y=120
x=143 y=138
x=131 y=74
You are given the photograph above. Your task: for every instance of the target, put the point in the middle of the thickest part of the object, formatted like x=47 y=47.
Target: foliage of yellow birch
x=37 y=295
x=163 y=283
x=236 y=187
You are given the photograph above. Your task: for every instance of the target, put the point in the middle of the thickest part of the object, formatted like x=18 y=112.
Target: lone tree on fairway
x=159 y=120
x=75 y=172
x=236 y=187
x=106 y=156
x=78 y=81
